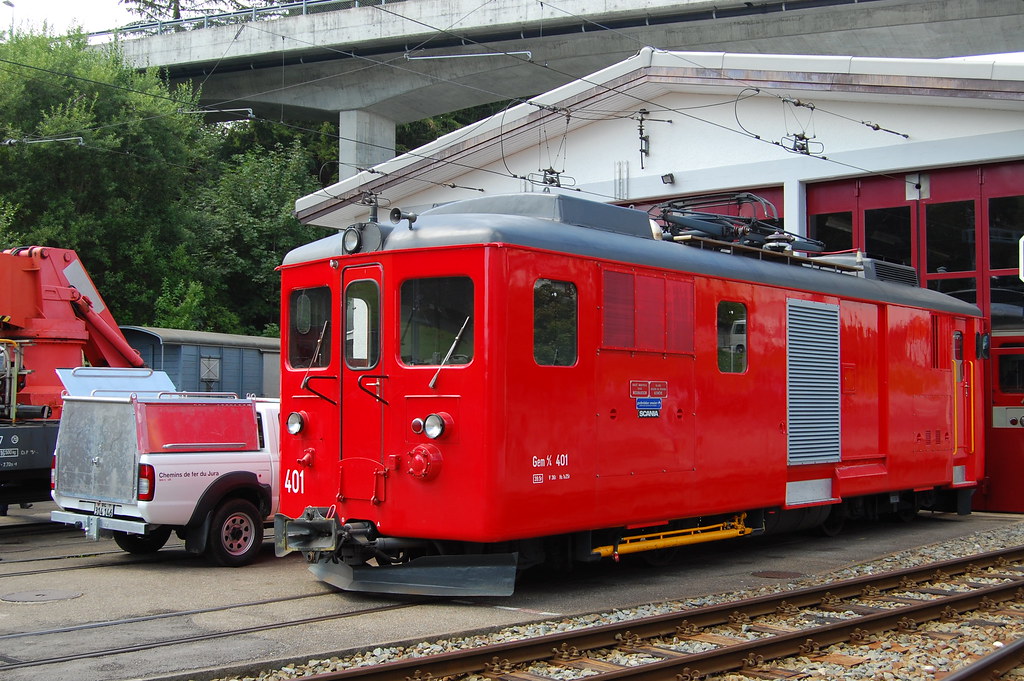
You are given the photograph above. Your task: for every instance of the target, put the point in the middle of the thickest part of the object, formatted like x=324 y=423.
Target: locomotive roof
x=569 y=224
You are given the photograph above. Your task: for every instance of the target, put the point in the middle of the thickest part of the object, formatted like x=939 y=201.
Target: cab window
x=362 y=324
x=732 y=337
x=437 y=321
x=309 y=328
x=555 y=322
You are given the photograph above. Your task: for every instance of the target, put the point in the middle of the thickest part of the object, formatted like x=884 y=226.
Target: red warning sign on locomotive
x=648 y=388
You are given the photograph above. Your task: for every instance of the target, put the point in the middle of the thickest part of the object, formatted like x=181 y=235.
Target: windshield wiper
x=312 y=361
x=448 y=356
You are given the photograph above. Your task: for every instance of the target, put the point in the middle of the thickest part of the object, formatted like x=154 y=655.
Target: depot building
x=916 y=161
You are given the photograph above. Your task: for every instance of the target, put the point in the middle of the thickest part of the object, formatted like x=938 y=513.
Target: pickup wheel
x=143 y=543
x=236 y=534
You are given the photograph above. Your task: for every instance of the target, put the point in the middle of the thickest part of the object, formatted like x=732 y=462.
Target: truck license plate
x=104 y=509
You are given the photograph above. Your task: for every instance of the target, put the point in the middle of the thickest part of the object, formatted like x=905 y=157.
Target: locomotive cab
x=387 y=378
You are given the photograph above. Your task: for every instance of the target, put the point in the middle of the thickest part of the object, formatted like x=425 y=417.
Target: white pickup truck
x=138 y=460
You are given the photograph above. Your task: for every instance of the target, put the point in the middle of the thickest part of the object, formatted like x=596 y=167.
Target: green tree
x=6 y=219
x=412 y=135
x=181 y=306
x=188 y=299
x=101 y=161
x=246 y=227
x=318 y=140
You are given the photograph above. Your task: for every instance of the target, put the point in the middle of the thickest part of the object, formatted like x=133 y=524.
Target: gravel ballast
x=1007 y=536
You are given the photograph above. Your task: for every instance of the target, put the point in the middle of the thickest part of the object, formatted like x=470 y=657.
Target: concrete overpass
x=370 y=67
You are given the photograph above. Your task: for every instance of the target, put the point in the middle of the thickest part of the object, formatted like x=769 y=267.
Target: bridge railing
x=291 y=9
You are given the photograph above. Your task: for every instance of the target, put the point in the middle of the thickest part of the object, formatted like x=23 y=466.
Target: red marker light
x=147 y=482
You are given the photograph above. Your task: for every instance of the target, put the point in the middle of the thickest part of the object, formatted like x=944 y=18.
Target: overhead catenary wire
x=758 y=90
x=248 y=115
x=640 y=100
x=468 y=129
x=582 y=114
x=724 y=74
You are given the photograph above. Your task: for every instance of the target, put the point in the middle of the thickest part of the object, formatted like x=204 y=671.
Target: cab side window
x=555 y=322
x=732 y=337
x=309 y=328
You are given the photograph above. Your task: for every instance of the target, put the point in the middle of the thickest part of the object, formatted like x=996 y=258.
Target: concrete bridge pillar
x=366 y=139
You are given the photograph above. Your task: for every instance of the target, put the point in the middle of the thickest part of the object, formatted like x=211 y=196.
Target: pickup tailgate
x=97 y=450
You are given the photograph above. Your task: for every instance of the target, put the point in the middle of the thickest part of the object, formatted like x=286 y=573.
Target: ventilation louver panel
x=813 y=382
x=897 y=274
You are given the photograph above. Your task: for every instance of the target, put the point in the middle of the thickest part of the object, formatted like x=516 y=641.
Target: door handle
x=365 y=387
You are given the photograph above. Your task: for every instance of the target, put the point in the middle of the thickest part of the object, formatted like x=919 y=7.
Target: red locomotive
x=515 y=379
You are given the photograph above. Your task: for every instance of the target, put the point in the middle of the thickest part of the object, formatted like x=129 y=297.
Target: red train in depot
x=533 y=378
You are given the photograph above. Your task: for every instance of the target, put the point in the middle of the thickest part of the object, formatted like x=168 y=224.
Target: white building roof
x=714 y=121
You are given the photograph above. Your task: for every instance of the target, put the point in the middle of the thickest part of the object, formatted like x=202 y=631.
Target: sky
x=60 y=15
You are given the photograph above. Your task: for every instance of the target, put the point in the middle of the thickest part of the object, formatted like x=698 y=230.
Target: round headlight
x=351 y=240
x=295 y=423
x=433 y=426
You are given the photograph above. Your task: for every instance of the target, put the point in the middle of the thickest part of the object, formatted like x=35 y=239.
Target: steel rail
x=161 y=616
x=199 y=637
x=612 y=635
x=125 y=560
x=751 y=653
x=992 y=666
x=34 y=528
x=90 y=566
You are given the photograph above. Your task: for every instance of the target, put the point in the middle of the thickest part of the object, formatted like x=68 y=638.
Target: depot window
x=555 y=322
x=1011 y=373
x=951 y=236
x=732 y=337
x=437 y=321
x=362 y=324
x=309 y=328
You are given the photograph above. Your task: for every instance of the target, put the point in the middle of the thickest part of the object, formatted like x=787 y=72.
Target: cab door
x=364 y=383
x=1004 y=456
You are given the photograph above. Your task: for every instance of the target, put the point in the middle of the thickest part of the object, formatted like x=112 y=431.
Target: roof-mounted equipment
x=761 y=228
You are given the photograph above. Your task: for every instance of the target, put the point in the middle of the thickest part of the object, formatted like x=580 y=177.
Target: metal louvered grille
x=812 y=369
x=899 y=274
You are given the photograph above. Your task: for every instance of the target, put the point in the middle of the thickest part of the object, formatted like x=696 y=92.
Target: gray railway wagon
x=200 y=361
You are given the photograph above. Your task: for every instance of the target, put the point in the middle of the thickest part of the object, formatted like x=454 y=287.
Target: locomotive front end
x=383 y=395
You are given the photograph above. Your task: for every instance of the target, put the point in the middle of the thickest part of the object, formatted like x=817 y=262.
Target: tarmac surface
x=71 y=595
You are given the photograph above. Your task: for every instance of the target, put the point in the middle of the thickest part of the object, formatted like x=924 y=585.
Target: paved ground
x=179 y=581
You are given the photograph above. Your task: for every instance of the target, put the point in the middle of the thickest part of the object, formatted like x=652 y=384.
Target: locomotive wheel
x=834 y=523
x=236 y=534
x=906 y=514
x=142 y=543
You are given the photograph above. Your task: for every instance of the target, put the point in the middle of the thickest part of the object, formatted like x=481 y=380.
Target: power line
x=579 y=113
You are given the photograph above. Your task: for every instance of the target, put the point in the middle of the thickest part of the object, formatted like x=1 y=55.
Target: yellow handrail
x=664 y=540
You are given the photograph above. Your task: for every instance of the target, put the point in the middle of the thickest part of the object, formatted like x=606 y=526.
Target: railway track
x=263 y=617
x=9 y=663
x=35 y=527
x=117 y=558
x=760 y=637
x=79 y=549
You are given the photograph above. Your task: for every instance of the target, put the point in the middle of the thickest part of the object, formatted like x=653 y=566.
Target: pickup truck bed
x=139 y=462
